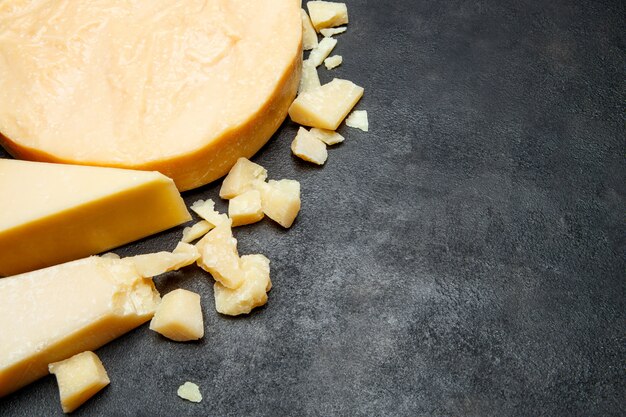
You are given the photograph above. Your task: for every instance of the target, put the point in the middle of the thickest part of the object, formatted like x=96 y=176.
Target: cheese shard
x=319 y=54
x=53 y=313
x=309 y=36
x=245 y=208
x=327 y=106
x=329 y=137
x=358 y=120
x=310 y=78
x=153 y=264
x=54 y=213
x=280 y=200
x=184 y=88
x=179 y=316
x=333 y=31
x=206 y=210
x=308 y=147
x=326 y=14
x=252 y=293
x=196 y=231
x=219 y=255
x=79 y=378
x=333 y=61
x=190 y=392
x=241 y=178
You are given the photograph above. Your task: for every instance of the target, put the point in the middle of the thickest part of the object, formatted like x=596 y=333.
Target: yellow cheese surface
x=184 y=88
x=179 y=316
x=53 y=313
x=53 y=213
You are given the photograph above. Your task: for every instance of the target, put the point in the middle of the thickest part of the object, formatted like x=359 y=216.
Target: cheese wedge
x=184 y=88
x=53 y=213
x=53 y=313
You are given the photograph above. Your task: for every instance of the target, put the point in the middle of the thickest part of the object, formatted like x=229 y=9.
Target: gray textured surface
x=464 y=257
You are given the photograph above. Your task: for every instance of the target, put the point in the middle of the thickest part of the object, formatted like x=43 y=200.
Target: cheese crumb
x=333 y=61
x=309 y=37
x=358 y=119
x=329 y=137
x=333 y=31
x=325 y=14
x=308 y=147
x=319 y=54
x=196 y=231
x=190 y=392
x=245 y=208
x=252 y=293
x=179 y=316
x=241 y=177
x=309 y=80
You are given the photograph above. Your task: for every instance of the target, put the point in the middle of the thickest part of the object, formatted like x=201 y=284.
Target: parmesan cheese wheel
x=182 y=87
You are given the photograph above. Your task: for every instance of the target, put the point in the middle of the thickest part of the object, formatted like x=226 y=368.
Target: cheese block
x=53 y=213
x=53 y=313
x=184 y=87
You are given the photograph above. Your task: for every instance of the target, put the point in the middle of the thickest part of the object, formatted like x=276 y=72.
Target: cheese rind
x=179 y=316
x=79 y=378
x=54 y=213
x=253 y=291
x=183 y=88
x=53 y=313
x=308 y=147
x=326 y=14
x=326 y=106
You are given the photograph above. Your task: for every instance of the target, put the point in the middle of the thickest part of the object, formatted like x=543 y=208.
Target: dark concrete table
x=464 y=257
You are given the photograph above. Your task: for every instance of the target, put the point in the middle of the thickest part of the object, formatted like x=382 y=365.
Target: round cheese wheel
x=183 y=87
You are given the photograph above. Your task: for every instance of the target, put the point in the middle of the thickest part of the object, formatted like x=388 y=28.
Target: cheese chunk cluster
x=179 y=316
x=79 y=378
x=309 y=147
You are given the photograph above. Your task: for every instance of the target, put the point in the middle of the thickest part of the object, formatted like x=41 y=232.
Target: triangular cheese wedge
x=53 y=213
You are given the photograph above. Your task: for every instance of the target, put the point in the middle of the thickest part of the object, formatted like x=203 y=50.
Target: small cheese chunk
x=79 y=378
x=358 y=119
x=253 y=291
x=325 y=14
x=308 y=147
x=333 y=61
x=179 y=316
x=245 y=208
x=206 y=210
x=280 y=200
x=309 y=37
x=241 y=177
x=196 y=231
x=153 y=264
x=326 y=106
x=53 y=313
x=319 y=54
x=219 y=256
x=190 y=392
x=329 y=137
x=333 y=31
x=310 y=80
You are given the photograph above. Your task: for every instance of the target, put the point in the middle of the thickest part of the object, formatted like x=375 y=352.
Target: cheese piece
x=153 y=264
x=53 y=313
x=333 y=31
x=309 y=36
x=327 y=106
x=190 y=392
x=53 y=213
x=319 y=54
x=309 y=148
x=333 y=61
x=179 y=316
x=184 y=88
x=329 y=137
x=252 y=293
x=196 y=231
x=241 y=177
x=219 y=256
x=206 y=210
x=326 y=14
x=246 y=208
x=79 y=378
x=280 y=200
x=358 y=119
x=310 y=79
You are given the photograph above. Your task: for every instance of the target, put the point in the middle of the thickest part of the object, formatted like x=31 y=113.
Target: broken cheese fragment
x=358 y=119
x=280 y=200
x=333 y=31
x=196 y=231
x=206 y=210
x=79 y=378
x=153 y=264
x=329 y=137
x=326 y=106
x=245 y=208
x=219 y=256
x=310 y=79
x=190 y=392
x=309 y=37
x=325 y=14
x=333 y=61
x=319 y=54
x=241 y=178
x=179 y=316
x=309 y=148
x=252 y=293
x=53 y=313
x=54 y=213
